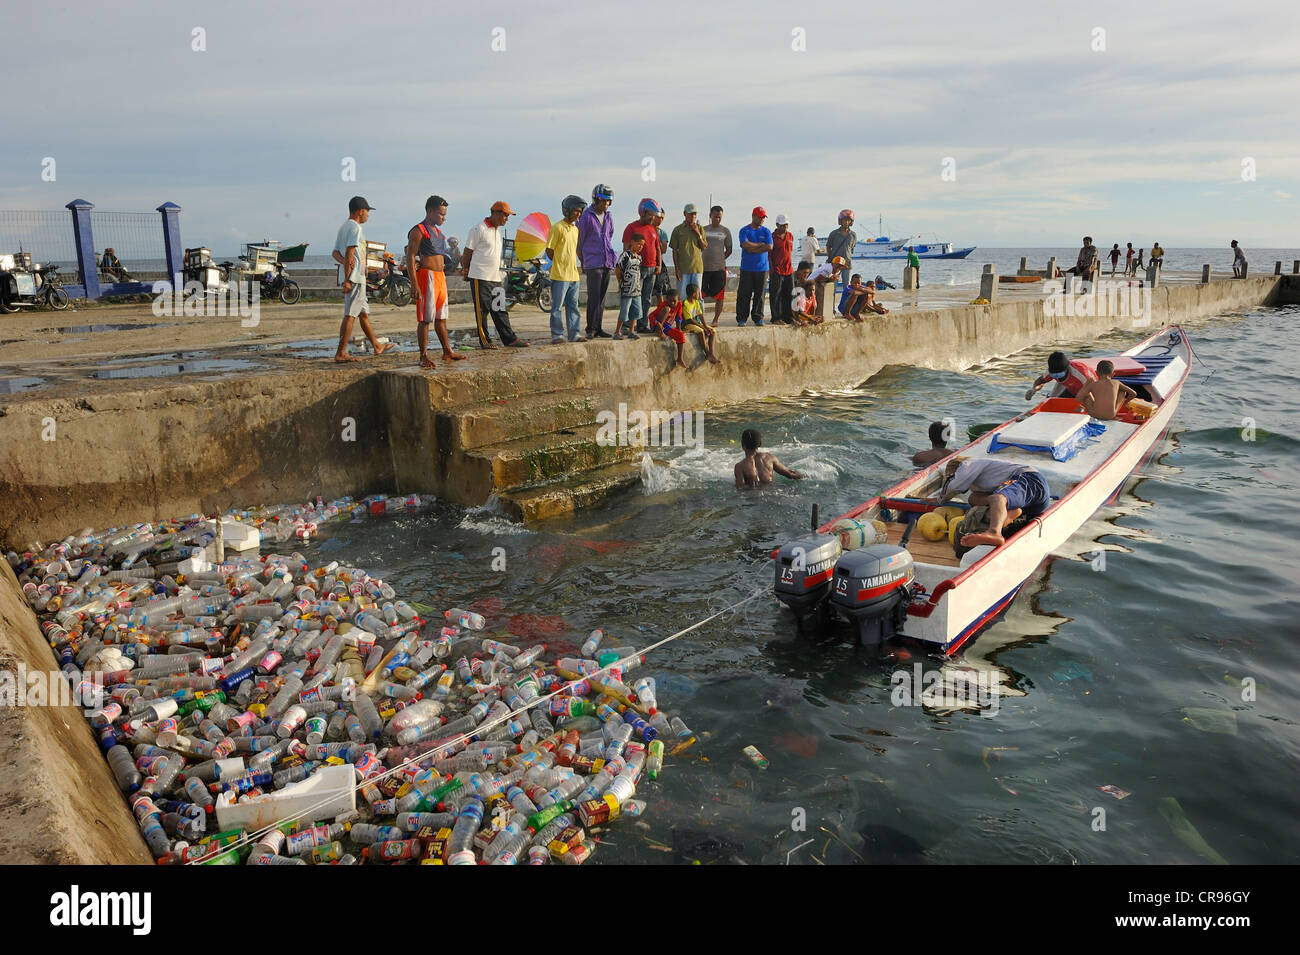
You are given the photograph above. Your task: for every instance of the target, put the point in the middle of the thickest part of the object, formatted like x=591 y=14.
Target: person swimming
x=938 y=449
x=756 y=468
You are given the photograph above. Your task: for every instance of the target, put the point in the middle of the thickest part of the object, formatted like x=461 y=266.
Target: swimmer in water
x=756 y=468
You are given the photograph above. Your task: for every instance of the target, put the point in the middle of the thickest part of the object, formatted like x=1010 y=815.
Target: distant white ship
x=883 y=247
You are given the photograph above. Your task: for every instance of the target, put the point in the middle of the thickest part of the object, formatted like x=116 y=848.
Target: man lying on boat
x=1003 y=486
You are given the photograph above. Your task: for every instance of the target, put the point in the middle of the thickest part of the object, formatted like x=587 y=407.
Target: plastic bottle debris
x=255 y=709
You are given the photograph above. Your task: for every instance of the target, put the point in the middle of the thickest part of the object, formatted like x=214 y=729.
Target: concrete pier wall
x=59 y=803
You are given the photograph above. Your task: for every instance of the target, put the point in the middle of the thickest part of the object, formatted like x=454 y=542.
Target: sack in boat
x=975 y=521
x=854 y=533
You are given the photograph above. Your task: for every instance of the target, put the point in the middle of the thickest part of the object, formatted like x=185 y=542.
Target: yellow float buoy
x=932 y=526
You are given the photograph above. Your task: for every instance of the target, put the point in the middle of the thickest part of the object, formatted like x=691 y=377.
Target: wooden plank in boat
x=927 y=552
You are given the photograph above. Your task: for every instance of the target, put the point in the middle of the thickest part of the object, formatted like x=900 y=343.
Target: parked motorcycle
x=392 y=285
x=22 y=286
x=528 y=285
x=275 y=282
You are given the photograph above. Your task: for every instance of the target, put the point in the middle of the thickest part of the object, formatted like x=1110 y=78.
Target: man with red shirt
x=651 y=253
x=780 y=280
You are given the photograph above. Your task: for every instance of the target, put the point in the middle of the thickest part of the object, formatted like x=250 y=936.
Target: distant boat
x=270 y=248
x=883 y=247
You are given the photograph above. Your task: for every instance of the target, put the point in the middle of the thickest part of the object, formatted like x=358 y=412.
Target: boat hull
x=902 y=254
x=959 y=603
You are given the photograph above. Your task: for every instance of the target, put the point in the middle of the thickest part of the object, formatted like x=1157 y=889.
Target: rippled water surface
x=1122 y=662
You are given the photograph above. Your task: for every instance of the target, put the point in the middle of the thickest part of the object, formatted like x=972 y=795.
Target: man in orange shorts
x=426 y=252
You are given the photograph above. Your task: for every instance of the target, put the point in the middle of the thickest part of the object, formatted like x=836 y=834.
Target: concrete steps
x=529 y=505
x=543 y=458
x=500 y=420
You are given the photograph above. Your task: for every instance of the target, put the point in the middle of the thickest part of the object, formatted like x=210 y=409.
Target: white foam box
x=238 y=537
x=326 y=793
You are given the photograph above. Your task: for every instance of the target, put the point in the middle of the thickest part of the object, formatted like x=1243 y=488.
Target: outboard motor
x=803 y=571
x=873 y=587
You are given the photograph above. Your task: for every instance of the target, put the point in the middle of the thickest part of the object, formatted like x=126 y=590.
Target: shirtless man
x=1008 y=489
x=938 y=449
x=756 y=467
x=1104 y=397
x=426 y=253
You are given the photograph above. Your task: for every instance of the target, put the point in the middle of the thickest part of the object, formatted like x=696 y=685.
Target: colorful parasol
x=531 y=235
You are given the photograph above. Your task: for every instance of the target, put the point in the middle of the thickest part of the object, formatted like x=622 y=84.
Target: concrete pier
x=517 y=424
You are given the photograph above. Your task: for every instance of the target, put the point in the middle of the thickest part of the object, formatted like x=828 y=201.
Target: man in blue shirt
x=755 y=243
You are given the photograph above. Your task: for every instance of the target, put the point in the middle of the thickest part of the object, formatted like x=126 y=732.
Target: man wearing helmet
x=596 y=255
x=651 y=257
x=562 y=249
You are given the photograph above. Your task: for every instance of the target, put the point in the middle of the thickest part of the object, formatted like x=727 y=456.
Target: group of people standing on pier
x=581 y=245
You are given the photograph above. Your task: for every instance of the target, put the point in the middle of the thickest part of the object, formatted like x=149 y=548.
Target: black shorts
x=714 y=285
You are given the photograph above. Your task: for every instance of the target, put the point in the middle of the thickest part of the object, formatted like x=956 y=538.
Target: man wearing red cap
x=755 y=243
x=481 y=262
x=840 y=243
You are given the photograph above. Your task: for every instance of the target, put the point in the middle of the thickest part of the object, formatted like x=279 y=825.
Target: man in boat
x=756 y=468
x=1004 y=486
x=1104 y=397
x=1058 y=366
x=426 y=261
x=938 y=449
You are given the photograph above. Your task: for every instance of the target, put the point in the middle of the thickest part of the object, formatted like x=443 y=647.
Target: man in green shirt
x=914 y=263
x=688 y=243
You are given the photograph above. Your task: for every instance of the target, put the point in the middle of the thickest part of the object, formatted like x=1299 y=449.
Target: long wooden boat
x=899 y=584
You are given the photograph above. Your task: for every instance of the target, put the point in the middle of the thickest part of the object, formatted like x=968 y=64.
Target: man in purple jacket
x=596 y=255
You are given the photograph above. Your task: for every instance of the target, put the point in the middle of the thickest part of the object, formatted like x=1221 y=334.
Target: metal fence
x=135 y=239
x=46 y=235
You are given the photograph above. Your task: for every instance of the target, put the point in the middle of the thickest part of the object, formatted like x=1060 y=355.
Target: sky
x=995 y=124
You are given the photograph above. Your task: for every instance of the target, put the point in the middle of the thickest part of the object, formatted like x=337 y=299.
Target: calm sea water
x=1129 y=676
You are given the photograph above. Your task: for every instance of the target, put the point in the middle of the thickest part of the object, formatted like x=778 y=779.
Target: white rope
x=477 y=731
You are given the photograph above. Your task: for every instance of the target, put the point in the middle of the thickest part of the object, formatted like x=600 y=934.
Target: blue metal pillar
x=172 y=250
x=85 y=243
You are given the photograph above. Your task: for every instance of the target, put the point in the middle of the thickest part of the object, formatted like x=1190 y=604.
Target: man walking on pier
x=755 y=243
x=596 y=255
x=481 y=261
x=426 y=263
x=350 y=252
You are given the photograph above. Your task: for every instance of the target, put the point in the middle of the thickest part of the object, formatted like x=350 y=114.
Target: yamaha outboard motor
x=803 y=571
x=873 y=587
